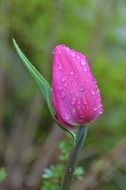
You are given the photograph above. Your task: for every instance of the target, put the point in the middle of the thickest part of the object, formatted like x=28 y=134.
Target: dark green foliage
x=52 y=176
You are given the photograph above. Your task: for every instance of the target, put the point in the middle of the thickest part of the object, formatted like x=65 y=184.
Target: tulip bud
x=75 y=95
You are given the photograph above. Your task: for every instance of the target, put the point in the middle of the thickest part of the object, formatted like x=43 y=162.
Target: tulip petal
x=76 y=97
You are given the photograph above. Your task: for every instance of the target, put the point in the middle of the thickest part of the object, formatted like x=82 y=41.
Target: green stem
x=71 y=163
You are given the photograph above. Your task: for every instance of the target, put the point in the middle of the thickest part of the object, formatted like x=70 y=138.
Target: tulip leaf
x=69 y=130
x=38 y=78
x=42 y=84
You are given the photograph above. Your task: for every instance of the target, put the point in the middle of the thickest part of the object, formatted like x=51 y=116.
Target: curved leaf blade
x=42 y=84
x=38 y=78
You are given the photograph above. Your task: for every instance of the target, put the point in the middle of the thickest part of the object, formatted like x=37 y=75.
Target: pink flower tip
x=75 y=94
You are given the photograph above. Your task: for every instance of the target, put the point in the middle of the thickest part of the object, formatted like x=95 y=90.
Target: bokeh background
x=29 y=138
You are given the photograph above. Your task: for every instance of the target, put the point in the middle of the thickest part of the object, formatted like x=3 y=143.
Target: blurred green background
x=29 y=138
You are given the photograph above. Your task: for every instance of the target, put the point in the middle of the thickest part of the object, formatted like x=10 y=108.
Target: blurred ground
x=28 y=137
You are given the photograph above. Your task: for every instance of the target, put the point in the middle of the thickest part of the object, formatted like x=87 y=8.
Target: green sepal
x=42 y=84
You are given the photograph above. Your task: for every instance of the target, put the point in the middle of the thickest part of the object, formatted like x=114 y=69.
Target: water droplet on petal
x=95 y=108
x=85 y=69
x=83 y=62
x=75 y=84
x=73 y=110
x=59 y=52
x=72 y=73
x=81 y=89
x=100 y=112
x=98 y=91
x=67 y=116
x=72 y=54
x=100 y=106
x=81 y=116
x=65 y=84
x=93 y=92
x=63 y=80
x=78 y=57
x=59 y=66
x=67 y=49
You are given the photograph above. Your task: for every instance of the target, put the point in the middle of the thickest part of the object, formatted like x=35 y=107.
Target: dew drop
x=81 y=89
x=73 y=110
x=67 y=116
x=63 y=80
x=72 y=73
x=65 y=84
x=59 y=52
x=81 y=116
x=75 y=84
x=100 y=112
x=95 y=108
x=67 y=49
x=93 y=92
x=98 y=91
x=85 y=69
x=100 y=106
x=59 y=66
x=78 y=57
x=83 y=62
x=72 y=54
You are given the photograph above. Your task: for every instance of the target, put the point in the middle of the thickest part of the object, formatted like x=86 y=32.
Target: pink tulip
x=75 y=95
